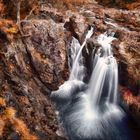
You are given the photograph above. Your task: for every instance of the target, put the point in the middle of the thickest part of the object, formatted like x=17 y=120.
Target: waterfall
x=104 y=77
x=73 y=49
x=78 y=68
x=91 y=111
x=75 y=82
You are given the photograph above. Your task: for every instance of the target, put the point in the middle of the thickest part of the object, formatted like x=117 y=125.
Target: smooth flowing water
x=91 y=111
x=78 y=68
x=75 y=82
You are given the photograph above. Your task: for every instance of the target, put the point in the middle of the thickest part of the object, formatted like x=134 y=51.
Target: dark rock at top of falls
x=126 y=4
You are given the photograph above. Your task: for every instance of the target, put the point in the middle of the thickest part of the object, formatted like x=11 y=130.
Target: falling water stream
x=77 y=71
x=91 y=111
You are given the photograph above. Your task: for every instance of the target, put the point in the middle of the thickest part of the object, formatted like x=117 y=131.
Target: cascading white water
x=75 y=82
x=73 y=49
x=91 y=112
x=78 y=68
x=105 y=74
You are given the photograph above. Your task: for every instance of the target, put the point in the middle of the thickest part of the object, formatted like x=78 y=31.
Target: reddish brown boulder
x=47 y=49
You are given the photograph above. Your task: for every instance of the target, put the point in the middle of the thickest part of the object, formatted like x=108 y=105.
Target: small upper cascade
x=73 y=49
x=77 y=72
x=105 y=41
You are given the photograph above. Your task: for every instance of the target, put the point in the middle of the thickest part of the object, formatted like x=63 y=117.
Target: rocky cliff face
x=31 y=66
x=34 y=60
